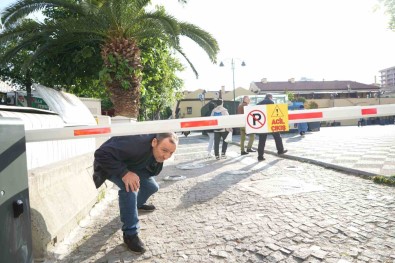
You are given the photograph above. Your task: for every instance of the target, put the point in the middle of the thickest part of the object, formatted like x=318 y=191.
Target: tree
x=160 y=86
x=290 y=95
x=116 y=26
x=390 y=10
x=14 y=72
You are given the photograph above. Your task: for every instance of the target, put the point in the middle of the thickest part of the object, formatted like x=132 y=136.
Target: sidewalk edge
x=363 y=174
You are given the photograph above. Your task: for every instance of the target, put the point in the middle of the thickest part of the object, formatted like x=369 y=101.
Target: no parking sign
x=256 y=119
x=266 y=118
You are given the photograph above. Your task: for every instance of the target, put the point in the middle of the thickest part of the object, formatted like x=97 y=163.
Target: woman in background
x=210 y=133
x=220 y=133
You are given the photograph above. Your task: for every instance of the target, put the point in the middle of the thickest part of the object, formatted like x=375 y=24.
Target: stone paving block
x=291 y=260
x=114 y=260
x=264 y=252
x=276 y=256
x=320 y=254
x=302 y=254
x=273 y=246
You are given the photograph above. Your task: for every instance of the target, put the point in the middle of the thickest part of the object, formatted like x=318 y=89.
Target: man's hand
x=132 y=182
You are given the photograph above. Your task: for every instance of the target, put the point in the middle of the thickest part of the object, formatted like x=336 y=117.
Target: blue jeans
x=129 y=202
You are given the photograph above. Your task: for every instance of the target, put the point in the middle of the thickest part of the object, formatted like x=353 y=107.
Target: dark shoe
x=134 y=243
x=284 y=151
x=223 y=156
x=243 y=153
x=148 y=208
x=217 y=157
x=251 y=150
x=260 y=159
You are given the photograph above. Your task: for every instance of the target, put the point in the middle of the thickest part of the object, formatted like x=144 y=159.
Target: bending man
x=130 y=162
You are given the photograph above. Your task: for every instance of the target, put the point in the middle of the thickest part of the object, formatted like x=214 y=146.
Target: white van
x=255 y=99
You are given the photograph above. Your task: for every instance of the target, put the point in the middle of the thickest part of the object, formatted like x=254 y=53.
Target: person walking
x=276 y=135
x=130 y=162
x=220 y=133
x=251 y=137
x=210 y=133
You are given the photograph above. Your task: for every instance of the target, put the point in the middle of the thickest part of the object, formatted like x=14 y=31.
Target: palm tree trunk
x=115 y=52
x=126 y=102
x=28 y=87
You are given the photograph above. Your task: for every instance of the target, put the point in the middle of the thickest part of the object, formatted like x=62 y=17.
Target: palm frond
x=20 y=30
x=25 y=43
x=164 y=25
x=204 y=39
x=23 y=8
x=179 y=50
x=141 y=4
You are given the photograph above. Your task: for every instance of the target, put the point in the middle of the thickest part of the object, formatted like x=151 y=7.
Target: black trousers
x=217 y=140
x=262 y=142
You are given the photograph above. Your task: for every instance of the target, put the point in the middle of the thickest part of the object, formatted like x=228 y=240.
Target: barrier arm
x=204 y=123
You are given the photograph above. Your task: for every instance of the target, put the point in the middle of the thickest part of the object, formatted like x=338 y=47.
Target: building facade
x=328 y=94
x=318 y=89
x=387 y=77
x=192 y=103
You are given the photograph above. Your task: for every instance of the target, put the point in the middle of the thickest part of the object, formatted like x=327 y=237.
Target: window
x=189 y=110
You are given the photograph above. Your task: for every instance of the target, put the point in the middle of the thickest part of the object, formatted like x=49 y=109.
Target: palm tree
x=116 y=26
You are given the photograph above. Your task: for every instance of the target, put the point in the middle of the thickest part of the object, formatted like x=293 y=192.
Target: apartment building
x=387 y=77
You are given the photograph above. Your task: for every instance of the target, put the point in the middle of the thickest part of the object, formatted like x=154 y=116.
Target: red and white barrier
x=204 y=123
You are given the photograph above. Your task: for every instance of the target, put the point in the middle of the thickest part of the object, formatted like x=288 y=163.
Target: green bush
x=300 y=99
x=312 y=105
x=384 y=180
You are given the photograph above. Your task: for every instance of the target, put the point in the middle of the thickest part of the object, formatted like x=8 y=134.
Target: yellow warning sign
x=277 y=113
x=278 y=117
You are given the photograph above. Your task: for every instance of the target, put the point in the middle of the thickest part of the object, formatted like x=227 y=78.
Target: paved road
x=239 y=210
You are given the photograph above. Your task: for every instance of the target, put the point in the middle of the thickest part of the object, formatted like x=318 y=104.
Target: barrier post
x=15 y=223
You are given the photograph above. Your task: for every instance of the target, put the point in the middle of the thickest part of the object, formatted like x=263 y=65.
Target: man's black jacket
x=266 y=101
x=122 y=154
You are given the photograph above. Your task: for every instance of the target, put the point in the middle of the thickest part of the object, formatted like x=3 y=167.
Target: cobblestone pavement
x=239 y=210
x=367 y=150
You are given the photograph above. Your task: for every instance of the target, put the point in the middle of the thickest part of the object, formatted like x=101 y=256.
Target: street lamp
x=233 y=67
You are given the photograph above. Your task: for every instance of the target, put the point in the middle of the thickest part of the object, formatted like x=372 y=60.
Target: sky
x=283 y=39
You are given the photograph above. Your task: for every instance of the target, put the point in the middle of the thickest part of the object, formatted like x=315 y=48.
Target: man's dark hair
x=219 y=102
x=269 y=96
x=173 y=138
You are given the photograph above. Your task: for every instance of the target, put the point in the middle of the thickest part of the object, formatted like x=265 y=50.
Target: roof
x=313 y=86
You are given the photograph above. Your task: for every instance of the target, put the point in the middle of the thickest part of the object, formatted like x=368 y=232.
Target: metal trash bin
x=15 y=221
x=314 y=126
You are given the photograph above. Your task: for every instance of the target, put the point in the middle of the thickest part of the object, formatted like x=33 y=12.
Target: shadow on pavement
x=95 y=243
x=294 y=139
x=218 y=184
x=172 y=170
x=113 y=255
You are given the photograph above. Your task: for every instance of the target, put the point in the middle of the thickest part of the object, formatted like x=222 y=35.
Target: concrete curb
x=359 y=173
x=362 y=174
